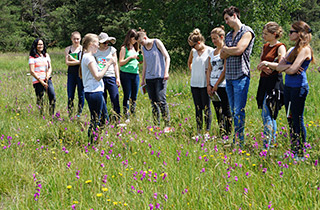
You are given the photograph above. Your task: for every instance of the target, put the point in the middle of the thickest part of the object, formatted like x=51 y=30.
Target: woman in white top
x=92 y=81
x=216 y=83
x=111 y=79
x=198 y=64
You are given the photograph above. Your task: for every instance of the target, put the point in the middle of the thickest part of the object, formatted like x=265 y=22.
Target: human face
x=217 y=40
x=40 y=46
x=76 y=38
x=142 y=40
x=293 y=34
x=133 y=40
x=193 y=44
x=230 y=20
x=94 y=46
x=104 y=45
x=267 y=36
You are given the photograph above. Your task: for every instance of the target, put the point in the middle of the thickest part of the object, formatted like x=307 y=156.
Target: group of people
x=93 y=70
x=220 y=75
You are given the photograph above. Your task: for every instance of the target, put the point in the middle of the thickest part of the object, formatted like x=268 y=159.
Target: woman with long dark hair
x=41 y=69
x=296 y=87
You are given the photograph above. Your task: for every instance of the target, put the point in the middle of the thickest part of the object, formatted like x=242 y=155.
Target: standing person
x=41 y=69
x=72 y=57
x=216 y=83
x=93 y=84
x=237 y=51
x=198 y=65
x=129 y=72
x=111 y=78
x=270 y=90
x=155 y=74
x=296 y=87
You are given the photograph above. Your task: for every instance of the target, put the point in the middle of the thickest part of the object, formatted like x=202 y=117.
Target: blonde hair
x=87 y=39
x=141 y=33
x=196 y=36
x=273 y=28
x=219 y=30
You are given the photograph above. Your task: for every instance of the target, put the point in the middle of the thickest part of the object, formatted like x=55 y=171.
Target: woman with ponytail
x=92 y=81
x=296 y=88
x=198 y=65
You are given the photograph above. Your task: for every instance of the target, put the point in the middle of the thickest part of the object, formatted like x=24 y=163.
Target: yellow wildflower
x=99 y=194
x=104 y=189
x=88 y=181
x=69 y=187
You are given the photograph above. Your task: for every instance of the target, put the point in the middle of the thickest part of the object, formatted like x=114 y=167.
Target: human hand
x=118 y=82
x=166 y=76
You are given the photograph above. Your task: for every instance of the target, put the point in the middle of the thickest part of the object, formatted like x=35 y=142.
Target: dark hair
x=304 y=39
x=231 y=10
x=33 y=52
x=131 y=33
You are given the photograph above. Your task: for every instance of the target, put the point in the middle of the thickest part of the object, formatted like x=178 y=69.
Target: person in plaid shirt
x=239 y=42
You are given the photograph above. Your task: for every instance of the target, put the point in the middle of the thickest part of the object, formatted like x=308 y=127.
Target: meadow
x=47 y=163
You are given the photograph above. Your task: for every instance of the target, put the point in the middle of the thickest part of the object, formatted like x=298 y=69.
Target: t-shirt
x=41 y=65
x=106 y=55
x=132 y=65
x=217 y=69
x=89 y=82
x=198 y=68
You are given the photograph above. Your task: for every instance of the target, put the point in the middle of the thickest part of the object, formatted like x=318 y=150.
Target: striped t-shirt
x=41 y=65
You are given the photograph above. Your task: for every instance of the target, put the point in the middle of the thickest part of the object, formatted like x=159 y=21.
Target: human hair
x=131 y=33
x=273 y=28
x=74 y=33
x=196 y=36
x=304 y=39
x=87 y=39
x=231 y=10
x=33 y=52
x=141 y=33
x=219 y=30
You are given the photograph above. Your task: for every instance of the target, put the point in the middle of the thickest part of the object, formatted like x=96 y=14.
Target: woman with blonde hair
x=296 y=87
x=92 y=81
x=198 y=65
x=270 y=90
x=216 y=83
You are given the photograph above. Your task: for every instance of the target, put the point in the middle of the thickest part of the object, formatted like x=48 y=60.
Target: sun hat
x=103 y=37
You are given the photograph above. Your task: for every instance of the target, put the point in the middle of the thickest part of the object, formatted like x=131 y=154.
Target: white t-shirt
x=198 y=68
x=89 y=82
x=217 y=68
x=106 y=55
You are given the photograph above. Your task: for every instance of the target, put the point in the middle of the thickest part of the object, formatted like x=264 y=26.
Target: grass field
x=46 y=162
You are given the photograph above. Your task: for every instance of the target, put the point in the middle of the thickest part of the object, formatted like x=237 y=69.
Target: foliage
x=169 y=20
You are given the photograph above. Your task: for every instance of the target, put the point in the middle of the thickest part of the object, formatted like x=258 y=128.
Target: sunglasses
x=293 y=31
x=106 y=42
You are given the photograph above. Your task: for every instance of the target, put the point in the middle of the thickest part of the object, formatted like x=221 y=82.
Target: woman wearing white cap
x=111 y=78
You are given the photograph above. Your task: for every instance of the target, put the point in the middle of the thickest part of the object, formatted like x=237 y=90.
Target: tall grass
x=140 y=167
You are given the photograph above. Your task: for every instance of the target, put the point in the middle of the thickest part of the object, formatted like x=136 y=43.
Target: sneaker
x=167 y=130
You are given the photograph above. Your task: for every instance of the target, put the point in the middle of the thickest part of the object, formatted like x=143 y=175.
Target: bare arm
x=190 y=59
x=303 y=55
x=94 y=70
x=240 y=48
x=144 y=67
x=274 y=65
x=166 y=57
x=116 y=69
x=49 y=69
x=122 y=60
x=70 y=61
x=208 y=73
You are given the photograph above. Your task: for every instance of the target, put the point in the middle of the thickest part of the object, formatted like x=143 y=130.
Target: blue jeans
x=202 y=104
x=73 y=82
x=39 y=89
x=98 y=112
x=237 y=91
x=157 y=89
x=130 y=87
x=110 y=85
x=270 y=125
x=296 y=97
